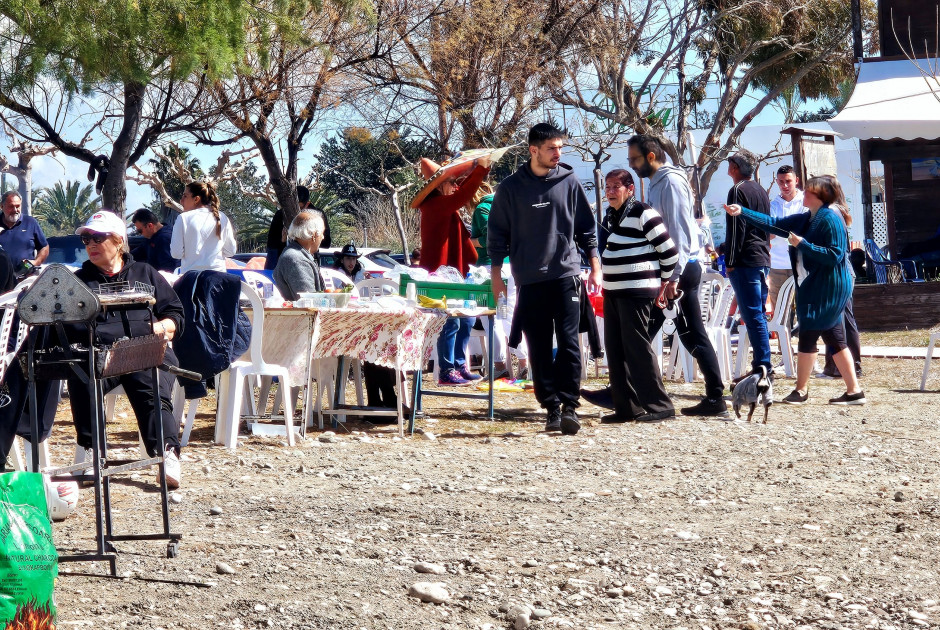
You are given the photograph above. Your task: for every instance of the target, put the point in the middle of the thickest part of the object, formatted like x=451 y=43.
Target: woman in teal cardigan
x=824 y=283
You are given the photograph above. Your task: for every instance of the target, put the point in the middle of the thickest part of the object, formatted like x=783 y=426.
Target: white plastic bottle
x=502 y=307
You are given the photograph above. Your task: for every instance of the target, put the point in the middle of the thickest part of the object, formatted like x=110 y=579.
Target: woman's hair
x=829 y=191
x=306 y=225
x=122 y=243
x=621 y=175
x=484 y=190
x=206 y=193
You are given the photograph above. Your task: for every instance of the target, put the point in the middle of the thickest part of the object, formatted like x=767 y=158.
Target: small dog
x=755 y=388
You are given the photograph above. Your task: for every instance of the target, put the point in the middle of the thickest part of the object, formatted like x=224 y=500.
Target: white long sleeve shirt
x=195 y=242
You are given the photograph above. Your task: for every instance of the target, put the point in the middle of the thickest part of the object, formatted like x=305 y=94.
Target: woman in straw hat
x=445 y=240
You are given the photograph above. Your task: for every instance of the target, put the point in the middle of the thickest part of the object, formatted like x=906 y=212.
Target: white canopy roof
x=893 y=99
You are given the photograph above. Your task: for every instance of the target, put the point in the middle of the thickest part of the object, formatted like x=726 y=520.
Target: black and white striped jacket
x=640 y=255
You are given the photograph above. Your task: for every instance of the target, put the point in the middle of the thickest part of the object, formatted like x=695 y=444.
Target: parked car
x=246 y=256
x=68 y=250
x=375 y=262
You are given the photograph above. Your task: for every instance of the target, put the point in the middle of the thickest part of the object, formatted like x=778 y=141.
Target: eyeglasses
x=97 y=238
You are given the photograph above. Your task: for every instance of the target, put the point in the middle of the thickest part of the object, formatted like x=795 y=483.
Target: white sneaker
x=174 y=472
x=83 y=455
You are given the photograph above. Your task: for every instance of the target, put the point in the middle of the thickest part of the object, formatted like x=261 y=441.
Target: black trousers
x=380 y=385
x=852 y=340
x=636 y=384
x=691 y=329
x=545 y=309
x=138 y=386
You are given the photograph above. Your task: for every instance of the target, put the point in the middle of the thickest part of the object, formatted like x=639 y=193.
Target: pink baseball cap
x=104 y=222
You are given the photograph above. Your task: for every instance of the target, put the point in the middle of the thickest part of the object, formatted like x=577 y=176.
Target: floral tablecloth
x=372 y=336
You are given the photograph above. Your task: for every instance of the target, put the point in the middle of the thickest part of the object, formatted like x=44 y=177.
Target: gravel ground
x=824 y=518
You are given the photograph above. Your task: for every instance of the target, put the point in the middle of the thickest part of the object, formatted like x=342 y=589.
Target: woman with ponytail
x=202 y=236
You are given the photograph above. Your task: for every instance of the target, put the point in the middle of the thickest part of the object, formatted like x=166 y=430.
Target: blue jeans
x=750 y=290
x=452 y=344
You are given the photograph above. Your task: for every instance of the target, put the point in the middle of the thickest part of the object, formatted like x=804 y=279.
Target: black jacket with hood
x=540 y=222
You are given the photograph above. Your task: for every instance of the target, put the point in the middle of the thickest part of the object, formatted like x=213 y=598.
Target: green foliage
x=63 y=208
x=784 y=26
x=358 y=155
x=86 y=42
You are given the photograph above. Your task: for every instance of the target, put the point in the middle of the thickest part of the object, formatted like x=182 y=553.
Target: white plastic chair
x=376 y=287
x=334 y=279
x=231 y=384
x=259 y=280
x=718 y=330
x=780 y=324
x=934 y=338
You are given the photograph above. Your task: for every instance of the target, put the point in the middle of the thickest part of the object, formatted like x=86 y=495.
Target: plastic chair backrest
x=257 y=324
x=722 y=310
x=376 y=287
x=258 y=279
x=785 y=297
x=334 y=279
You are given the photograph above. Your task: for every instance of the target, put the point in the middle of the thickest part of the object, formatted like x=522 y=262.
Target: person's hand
x=485 y=161
x=670 y=289
x=794 y=239
x=498 y=286
x=595 y=280
x=733 y=210
x=661 y=298
x=165 y=328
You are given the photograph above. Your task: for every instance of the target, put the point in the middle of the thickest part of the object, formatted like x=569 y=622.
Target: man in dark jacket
x=747 y=255
x=539 y=217
x=158 y=240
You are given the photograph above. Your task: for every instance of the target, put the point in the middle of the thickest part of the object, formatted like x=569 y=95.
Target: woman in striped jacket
x=637 y=262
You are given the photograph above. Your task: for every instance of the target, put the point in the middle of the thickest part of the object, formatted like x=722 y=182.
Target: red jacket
x=445 y=240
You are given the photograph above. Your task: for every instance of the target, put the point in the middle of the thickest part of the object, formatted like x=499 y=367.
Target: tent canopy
x=893 y=99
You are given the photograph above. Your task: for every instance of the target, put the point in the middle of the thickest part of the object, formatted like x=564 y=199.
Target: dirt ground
x=826 y=517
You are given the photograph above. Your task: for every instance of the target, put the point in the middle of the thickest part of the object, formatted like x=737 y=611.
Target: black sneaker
x=554 y=420
x=796 y=398
x=614 y=418
x=569 y=421
x=711 y=407
x=658 y=416
x=599 y=398
x=849 y=399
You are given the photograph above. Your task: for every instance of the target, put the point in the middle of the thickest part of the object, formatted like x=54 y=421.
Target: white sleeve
x=229 y=246
x=177 y=241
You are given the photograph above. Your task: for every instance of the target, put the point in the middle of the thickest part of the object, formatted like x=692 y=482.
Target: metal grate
x=879 y=224
x=124 y=288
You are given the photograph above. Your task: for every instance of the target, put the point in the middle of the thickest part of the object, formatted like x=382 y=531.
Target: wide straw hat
x=460 y=165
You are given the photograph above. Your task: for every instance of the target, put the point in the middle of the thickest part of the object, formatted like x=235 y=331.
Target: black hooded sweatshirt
x=539 y=222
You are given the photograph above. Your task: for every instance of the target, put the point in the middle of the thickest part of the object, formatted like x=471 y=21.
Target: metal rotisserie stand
x=56 y=299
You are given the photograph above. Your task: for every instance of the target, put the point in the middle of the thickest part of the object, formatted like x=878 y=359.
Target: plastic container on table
x=457 y=292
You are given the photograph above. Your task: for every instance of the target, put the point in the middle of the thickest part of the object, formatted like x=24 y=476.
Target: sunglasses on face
x=97 y=238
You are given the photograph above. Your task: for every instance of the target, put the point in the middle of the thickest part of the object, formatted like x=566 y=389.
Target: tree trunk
x=284 y=189
x=400 y=224
x=599 y=194
x=114 y=190
x=25 y=177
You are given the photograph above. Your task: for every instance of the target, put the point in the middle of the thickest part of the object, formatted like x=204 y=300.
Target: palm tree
x=64 y=207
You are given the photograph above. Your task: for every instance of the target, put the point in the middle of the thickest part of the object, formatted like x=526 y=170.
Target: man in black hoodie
x=539 y=217
x=747 y=255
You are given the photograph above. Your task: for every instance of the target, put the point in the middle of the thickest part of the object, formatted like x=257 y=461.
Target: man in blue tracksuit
x=539 y=217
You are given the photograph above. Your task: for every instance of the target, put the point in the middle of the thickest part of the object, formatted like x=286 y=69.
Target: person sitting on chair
x=105 y=238
x=297 y=270
x=347 y=261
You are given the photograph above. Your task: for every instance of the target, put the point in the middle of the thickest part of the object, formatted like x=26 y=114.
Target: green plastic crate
x=481 y=293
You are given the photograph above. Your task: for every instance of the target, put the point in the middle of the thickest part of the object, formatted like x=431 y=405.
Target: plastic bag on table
x=29 y=563
x=447 y=274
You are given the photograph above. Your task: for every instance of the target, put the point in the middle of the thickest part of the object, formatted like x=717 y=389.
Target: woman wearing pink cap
x=105 y=238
